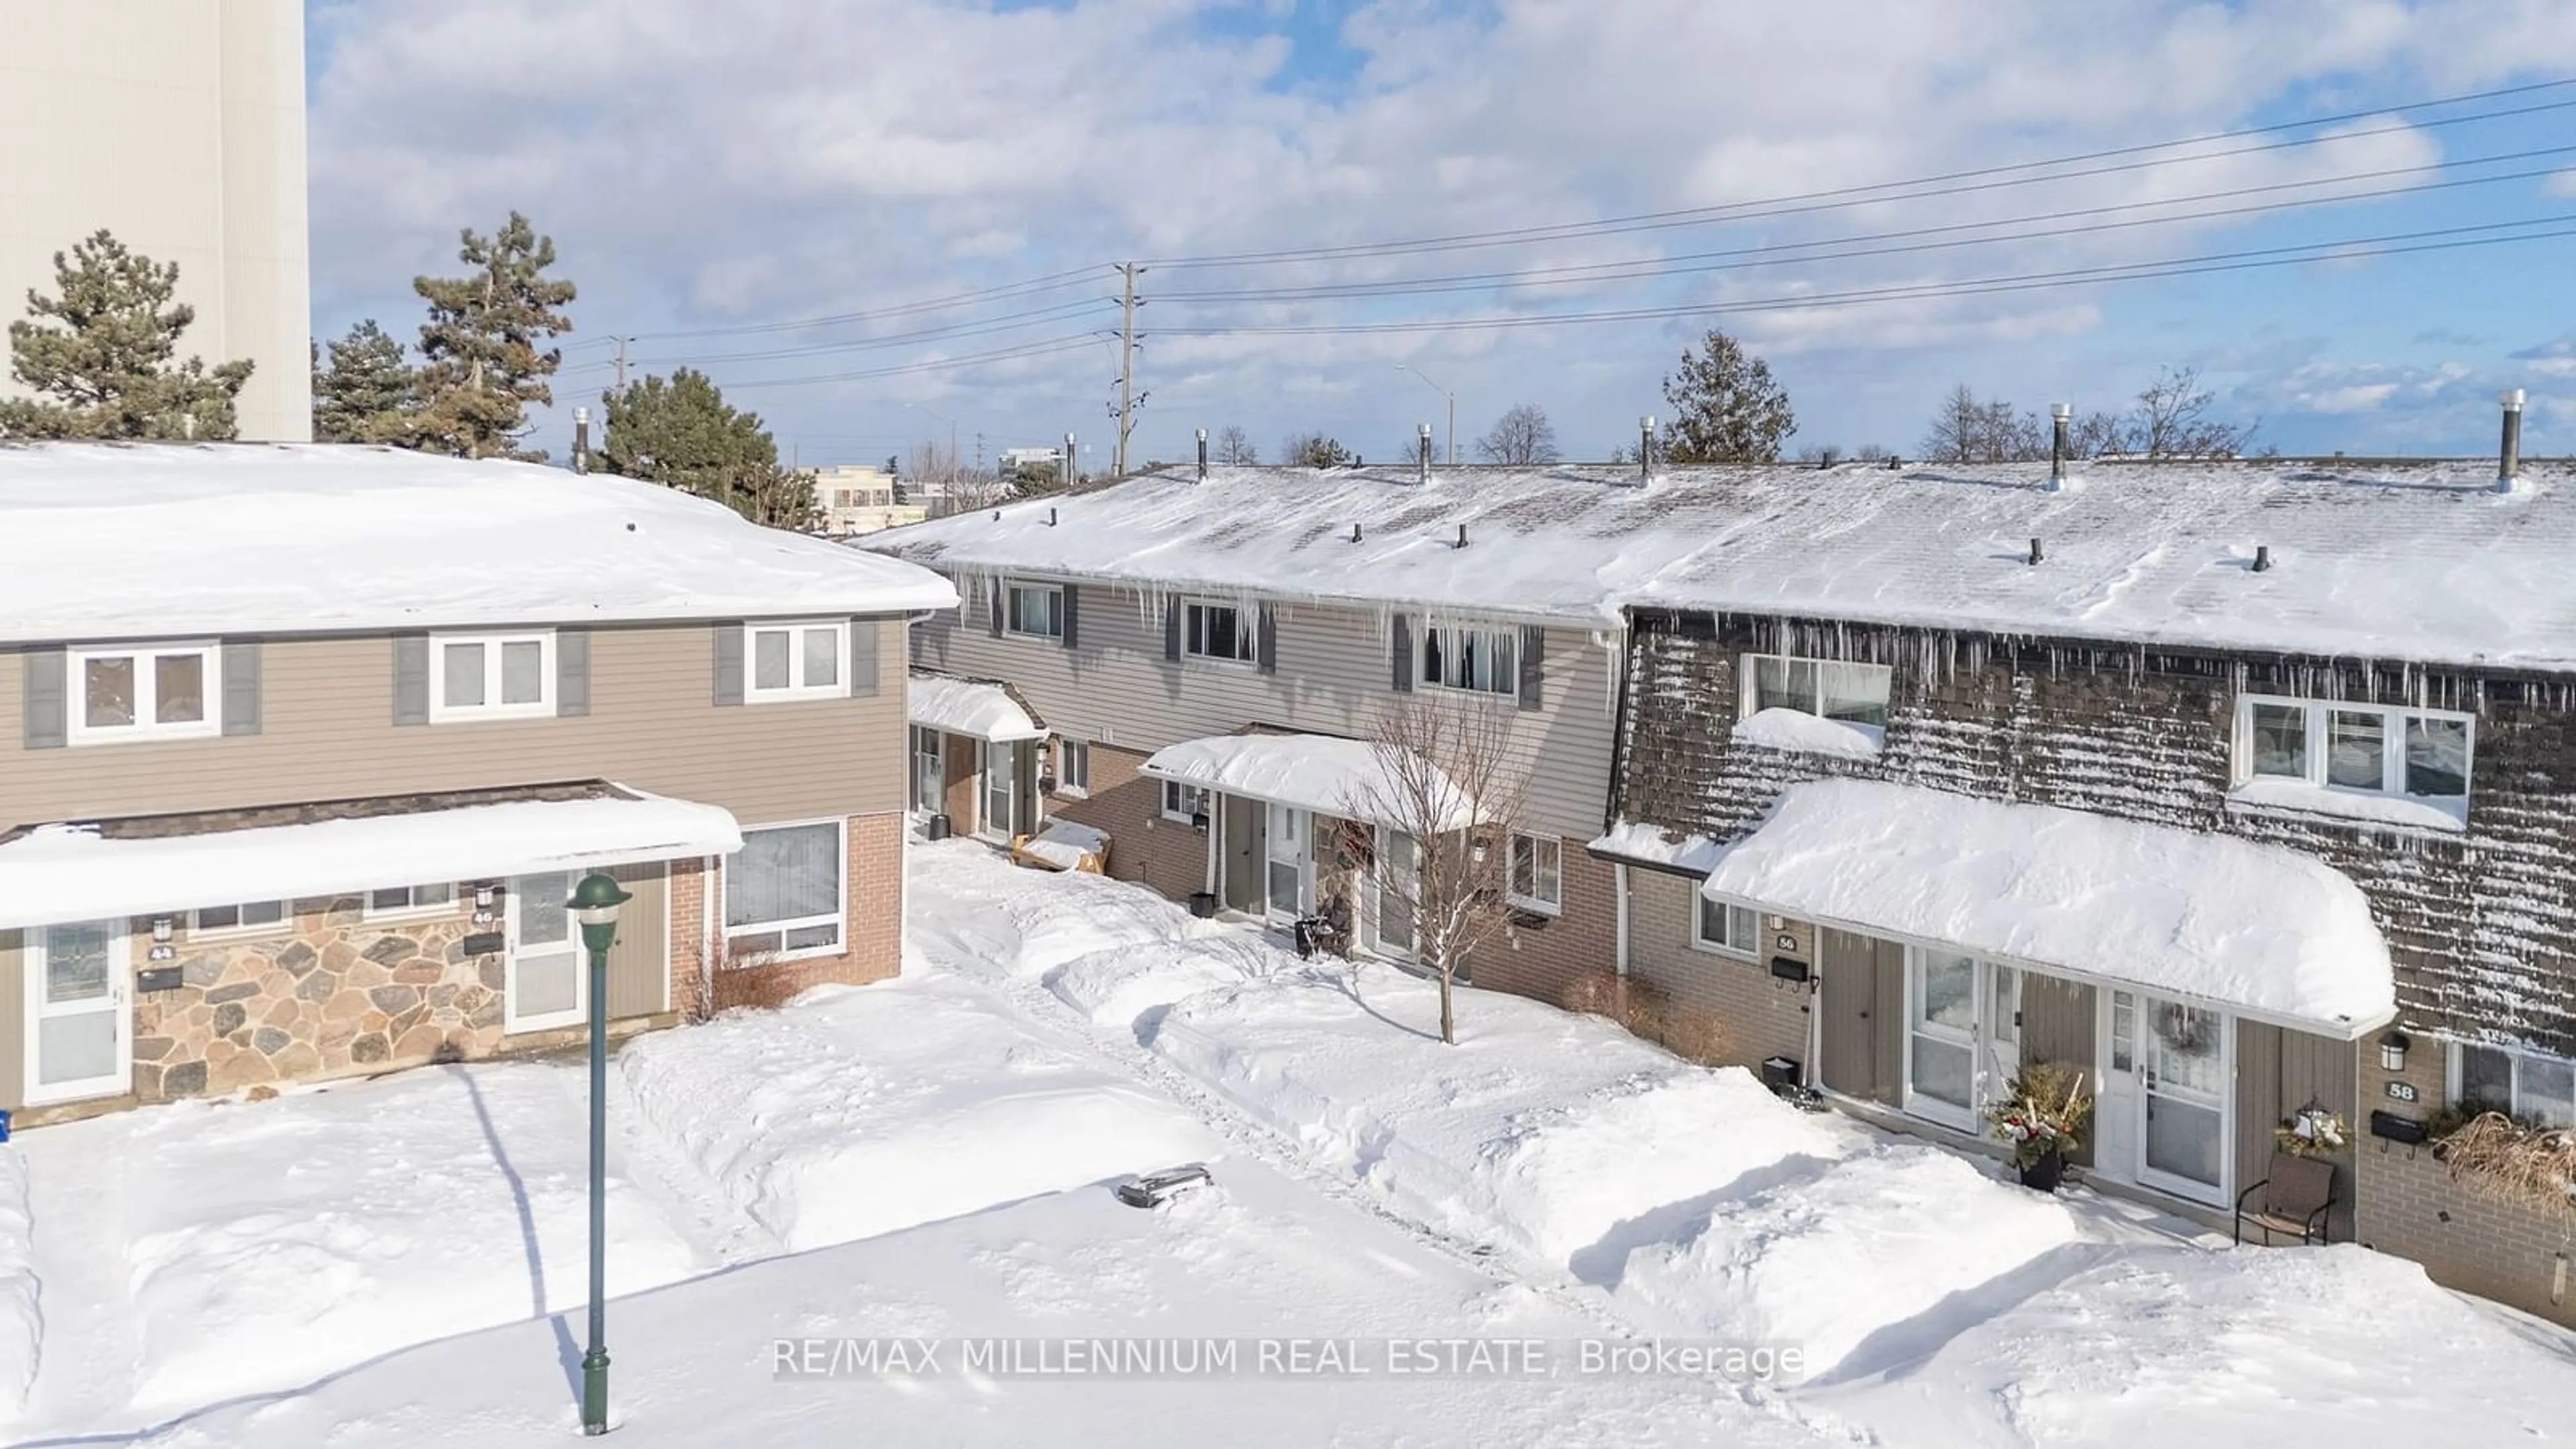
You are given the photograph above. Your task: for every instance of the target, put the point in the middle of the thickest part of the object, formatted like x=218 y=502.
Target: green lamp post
x=594 y=903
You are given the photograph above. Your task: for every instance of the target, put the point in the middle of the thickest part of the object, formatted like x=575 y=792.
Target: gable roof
x=2413 y=561
x=141 y=540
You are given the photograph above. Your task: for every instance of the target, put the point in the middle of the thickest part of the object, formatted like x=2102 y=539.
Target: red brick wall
x=1165 y=855
x=689 y=885
x=873 y=933
x=1543 y=960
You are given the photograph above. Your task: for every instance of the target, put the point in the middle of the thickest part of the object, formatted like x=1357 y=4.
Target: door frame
x=512 y=1022
x=1932 y=1109
x=1303 y=832
x=2217 y=1194
x=985 y=825
x=1373 y=899
x=120 y=971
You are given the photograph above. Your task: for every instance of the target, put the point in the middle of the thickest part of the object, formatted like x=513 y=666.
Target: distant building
x=178 y=126
x=859 y=498
x=1016 y=458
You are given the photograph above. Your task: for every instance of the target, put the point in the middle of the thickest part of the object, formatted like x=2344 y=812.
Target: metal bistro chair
x=2296 y=1198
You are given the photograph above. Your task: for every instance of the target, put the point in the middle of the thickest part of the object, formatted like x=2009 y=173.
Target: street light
x=594 y=903
x=1453 y=407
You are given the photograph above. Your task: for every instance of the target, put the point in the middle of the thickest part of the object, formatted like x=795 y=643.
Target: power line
x=1840 y=198
x=1008 y=354
x=1055 y=281
x=1779 y=253
x=983 y=327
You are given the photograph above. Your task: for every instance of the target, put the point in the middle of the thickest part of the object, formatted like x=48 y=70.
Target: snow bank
x=970 y=707
x=1782 y=728
x=2206 y=916
x=268 y=1243
x=1903 y=1241
x=73 y=872
x=859 y=1112
x=188 y=541
x=1323 y=773
x=21 y=1319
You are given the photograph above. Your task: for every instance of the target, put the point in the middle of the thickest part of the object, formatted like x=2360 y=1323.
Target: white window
x=1183 y=802
x=1036 y=610
x=1852 y=694
x=796 y=661
x=1217 y=631
x=783 y=898
x=1725 y=926
x=245 y=918
x=1538 y=873
x=2356 y=749
x=143 y=692
x=1073 y=767
x=2520 y=1084
x=1485 y=660
x=410 y=900
x=491 y=676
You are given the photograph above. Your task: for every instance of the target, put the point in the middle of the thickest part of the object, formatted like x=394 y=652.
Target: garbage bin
x=936 y=828
x=1203 y=904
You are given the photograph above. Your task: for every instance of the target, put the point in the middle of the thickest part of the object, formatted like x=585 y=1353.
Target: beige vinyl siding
x=13 y=1023
x=327 y=733
x=1334 y=674
x=639 y=962
x=2279 y=1071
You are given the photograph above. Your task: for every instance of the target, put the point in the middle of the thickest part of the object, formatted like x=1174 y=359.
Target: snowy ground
x=387 y=1262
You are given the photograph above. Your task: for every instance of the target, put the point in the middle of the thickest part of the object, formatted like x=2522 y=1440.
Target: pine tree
x=369 y=393
x=681 y=433
x=99 y=356
x=480 y=367
x=1726 y=408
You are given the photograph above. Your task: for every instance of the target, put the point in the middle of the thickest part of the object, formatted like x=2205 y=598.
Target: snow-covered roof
x=2207 y=918
x=1347 y=779
x=152 y=540
x=2422 y=562
x=96 y=870
x=970 y=707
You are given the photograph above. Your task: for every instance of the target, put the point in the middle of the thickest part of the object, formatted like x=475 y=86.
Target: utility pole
x=621 y=363
x=1127 y=395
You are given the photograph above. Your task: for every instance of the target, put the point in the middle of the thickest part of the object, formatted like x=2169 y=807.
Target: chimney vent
x=1355 y=533
x=1067 y=471
x=1424 y=471
x=2262 y=558
x=1462 y=537
x=1050 y=516
x=581 y=440
x=2035 y=554
x=1203 y=455
x=2058 y=413
x=1646 y=448
x=2509 y=460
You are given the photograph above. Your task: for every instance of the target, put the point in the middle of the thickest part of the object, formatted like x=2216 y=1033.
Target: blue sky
x=710 y=182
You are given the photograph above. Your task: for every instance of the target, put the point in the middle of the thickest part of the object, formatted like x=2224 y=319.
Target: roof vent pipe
x=1067 y=471
x=2262 y=558
x=1203 y=455
x=1462 y=537
x=1423 y=473
x=2509 y=462
x=2058 y=413
x=581 y=440
x=1050 y=515
x=2035 y=554
x=1646 y=448
x=1355 y=533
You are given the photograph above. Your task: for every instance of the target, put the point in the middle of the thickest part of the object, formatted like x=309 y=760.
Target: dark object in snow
x=1779 y=1072
x=1154 y=1189
x=936 y=829
x=1203 y=904
x=2042 y=1175
x=1805 y=1099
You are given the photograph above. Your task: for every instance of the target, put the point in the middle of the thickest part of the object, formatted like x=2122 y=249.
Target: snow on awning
x=1323 y=773
x=1634 y=842
x=92 y=870
x=2209 y=918
x=969 y=707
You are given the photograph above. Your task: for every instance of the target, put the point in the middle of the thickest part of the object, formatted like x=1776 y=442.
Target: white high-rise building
x=179 y=126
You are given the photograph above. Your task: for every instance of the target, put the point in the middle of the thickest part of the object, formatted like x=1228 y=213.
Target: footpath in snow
x=390 y=1262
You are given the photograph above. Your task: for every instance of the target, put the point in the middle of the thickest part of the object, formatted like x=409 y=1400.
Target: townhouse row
x=2240 y=787
x=302 y=749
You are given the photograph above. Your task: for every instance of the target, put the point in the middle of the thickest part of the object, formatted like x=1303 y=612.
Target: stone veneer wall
x=342 y=994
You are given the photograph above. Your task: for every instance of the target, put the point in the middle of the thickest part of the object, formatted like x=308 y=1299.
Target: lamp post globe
x=594 y=904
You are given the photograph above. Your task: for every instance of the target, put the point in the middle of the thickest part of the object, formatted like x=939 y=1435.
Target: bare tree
x=1967 y=429
x=1233 y=446
x=1522 y=437
x=2172 y=420
x=1445 y=792
x=1871 y=453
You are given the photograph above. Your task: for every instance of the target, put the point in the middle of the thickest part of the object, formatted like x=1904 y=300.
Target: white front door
x=544 y=969
x=1290 y=892
x=1396 y=883
x=929 y=771
x=77 y=1044
x=2186 y=1054
x=1001 y=790
x=1941 y=1038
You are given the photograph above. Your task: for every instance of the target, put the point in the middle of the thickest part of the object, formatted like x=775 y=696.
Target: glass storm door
x=1001 y=788
x=77 y=1042
x=1941 y=1038
x=929 y=772
x=545 y=966
x=2185 y=1094
x=1397 y=878
x=1284 y=845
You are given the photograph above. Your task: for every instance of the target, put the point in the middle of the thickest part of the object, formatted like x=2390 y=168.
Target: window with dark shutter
x=48 y=718
x=1071 y=609
x=1401 y=628
x=411 y=679
x=728 y=640
x=1265 y=648
x=1533 y=667
x=241 y=687
x=1172 y=630
x=864 y=634
x=572 y=672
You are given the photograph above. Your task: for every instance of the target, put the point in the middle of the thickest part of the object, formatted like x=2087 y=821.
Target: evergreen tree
x=370 y=391
x=99 y=357
x=681 y=433
x=1726 y=408
x=480 y=367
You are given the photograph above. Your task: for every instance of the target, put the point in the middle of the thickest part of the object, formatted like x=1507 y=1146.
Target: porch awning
x=96 y=869
x=1348 y=779
x=2211 y=919
x=969 y=707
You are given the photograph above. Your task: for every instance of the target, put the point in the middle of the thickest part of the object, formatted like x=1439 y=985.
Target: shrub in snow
x=1648 y=1011
x=2521 y=1163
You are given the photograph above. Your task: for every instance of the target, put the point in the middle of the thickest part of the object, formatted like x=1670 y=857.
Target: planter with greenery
x=2043 y=1121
